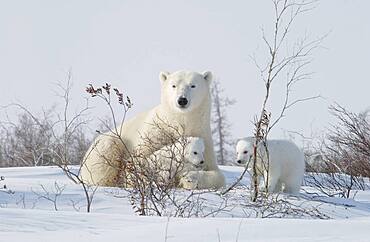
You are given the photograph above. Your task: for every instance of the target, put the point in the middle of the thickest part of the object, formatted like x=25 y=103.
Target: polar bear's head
x=194 y=153
x=184 y=91
x=244 y=150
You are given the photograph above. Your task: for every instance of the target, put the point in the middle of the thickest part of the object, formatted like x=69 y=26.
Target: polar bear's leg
x=293 y=181
x=211 y=179
x=292 y=189
x=203 y=180
x=292 y=185
x=101 y=163
x=261 y=183
x=272 y=183
x=278 y=186
x=190 y=180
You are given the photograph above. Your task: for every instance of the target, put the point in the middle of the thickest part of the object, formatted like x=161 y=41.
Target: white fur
x=177 y=159
x=286 y=163
x=195 y=117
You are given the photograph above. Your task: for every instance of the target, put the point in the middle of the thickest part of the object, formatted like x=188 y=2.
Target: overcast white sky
x=127 y=43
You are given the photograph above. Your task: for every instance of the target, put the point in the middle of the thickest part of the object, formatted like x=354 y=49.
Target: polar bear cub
x=286 y=163
x=176 y=160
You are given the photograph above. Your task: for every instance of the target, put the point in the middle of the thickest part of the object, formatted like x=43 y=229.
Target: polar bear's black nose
x=182 y=101
x=239 y=161
x=201 y=162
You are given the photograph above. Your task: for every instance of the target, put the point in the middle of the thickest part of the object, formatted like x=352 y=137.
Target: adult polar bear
x=185 y=100
x=286 y=163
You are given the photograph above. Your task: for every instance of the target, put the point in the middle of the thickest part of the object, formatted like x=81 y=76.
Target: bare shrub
x=344 y=155
x=38 y=140
x=26 y=142
x=55 y=138
x=144 y=174
x=115 y=160
x=65 y=150
x=3 y=186
x=290 y=65
x=278 y=206
x=151 y=183
x=349 y=141
x=152 y=178
x=51 y=196
x=335 y=184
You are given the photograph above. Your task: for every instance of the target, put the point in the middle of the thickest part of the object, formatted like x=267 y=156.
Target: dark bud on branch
x=128 y=102
x=91 y=90
x=107 y=88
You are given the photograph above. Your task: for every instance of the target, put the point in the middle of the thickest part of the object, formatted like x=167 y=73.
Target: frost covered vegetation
x=30 y=140
x=42 y=156
x=54 y=136
x=49 y=189
x=31 y=208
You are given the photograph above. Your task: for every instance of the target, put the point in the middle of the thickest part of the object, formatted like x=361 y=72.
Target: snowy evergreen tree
x=220 y=125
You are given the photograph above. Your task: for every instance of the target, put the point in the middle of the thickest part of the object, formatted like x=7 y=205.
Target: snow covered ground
x=26 y=215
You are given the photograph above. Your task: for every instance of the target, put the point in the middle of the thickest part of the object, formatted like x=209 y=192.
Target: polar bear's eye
x=245 y=152
x=195 y=153
x=173 y=86
x=192 y=86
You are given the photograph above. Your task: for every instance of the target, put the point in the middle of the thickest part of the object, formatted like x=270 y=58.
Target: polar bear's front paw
x=190 y=180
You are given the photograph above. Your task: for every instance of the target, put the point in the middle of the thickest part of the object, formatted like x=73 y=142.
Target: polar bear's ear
x=163 y=76
x=207 y=75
